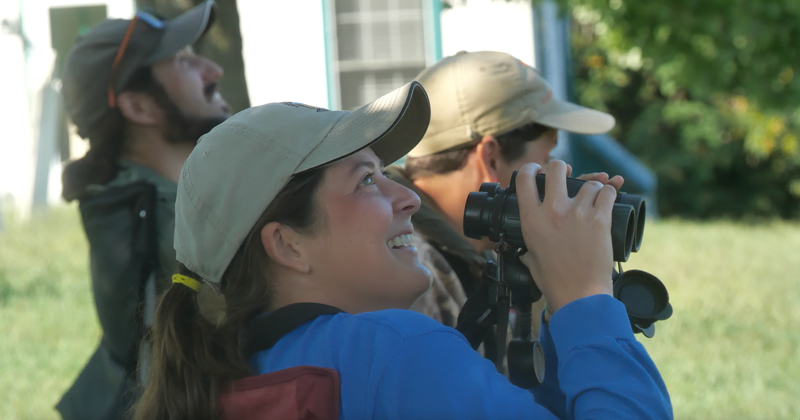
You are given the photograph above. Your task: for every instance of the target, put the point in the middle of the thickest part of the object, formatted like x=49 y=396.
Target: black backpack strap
x=261 y=333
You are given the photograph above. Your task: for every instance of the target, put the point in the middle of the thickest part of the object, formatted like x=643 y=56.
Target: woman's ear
x=283 y=246
x=488 y=154
x=138 y=107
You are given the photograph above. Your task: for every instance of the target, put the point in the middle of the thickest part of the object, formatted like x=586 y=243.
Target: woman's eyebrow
x=366 y=163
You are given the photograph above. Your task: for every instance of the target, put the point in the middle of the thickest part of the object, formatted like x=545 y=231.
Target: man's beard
x=182 y=128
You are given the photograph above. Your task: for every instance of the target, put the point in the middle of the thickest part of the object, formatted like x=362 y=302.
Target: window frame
x=432 y=48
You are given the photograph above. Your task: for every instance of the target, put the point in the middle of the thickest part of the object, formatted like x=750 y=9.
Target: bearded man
x=141 y=96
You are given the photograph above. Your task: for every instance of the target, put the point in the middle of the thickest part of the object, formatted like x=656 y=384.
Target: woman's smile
x=363 y=209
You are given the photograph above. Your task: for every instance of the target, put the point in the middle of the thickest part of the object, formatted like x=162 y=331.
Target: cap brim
x=183 y=31
x=392 y=125
x=576 y=119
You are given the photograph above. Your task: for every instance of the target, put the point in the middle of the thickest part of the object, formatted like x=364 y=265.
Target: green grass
x=730 y=351
x=48 y=328
x=732 y=348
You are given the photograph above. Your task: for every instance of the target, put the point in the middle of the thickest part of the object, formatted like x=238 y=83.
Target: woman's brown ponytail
x=196 y=350
x=192 y=357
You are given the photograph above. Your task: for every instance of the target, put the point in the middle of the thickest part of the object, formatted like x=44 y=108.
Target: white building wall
x=24 y=74
x=489 y=25
x=284 y=51
x=507 y=26
x=284 y=54
x=16 y=147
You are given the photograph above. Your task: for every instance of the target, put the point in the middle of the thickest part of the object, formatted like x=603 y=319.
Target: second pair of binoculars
x=494 y=211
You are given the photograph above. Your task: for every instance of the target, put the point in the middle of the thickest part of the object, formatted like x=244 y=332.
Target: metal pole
x=551 y=42
x=46 y=145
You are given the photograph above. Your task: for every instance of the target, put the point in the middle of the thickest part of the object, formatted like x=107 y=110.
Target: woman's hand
x=602 y=178
x=568 y=239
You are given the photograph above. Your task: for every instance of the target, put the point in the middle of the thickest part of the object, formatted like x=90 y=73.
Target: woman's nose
x=404 y=200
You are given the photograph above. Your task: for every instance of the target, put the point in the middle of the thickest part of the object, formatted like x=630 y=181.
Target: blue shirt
x=398 y=364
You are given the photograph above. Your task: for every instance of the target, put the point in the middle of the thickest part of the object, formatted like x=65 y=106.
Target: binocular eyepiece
x=493 y=211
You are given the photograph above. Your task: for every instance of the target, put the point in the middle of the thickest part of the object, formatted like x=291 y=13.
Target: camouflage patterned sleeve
x=443 y=301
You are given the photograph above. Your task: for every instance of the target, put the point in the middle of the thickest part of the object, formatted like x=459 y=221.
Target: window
x=378 y=46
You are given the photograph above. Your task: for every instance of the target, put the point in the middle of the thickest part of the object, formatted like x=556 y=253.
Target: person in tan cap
x=283 y=212
x=490 y=114
x=140 y=95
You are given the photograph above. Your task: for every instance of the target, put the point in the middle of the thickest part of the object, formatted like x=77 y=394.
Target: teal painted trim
x=437 y=29
x=328 y=25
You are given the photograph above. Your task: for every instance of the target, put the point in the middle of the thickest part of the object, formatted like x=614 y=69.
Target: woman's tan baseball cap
x=238 y=168
x=491 y=93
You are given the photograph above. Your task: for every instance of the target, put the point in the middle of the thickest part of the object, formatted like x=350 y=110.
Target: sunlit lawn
x=48 y=328
x=731 y=351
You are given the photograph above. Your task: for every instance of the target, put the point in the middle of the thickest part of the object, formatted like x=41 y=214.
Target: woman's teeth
x=402 y=240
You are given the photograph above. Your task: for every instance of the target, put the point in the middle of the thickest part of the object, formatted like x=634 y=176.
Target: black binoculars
x=493 y=211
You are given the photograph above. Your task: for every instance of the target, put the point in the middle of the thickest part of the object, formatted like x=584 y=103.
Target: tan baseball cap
x=90 y=73
x=491 y=93
x=236 y=170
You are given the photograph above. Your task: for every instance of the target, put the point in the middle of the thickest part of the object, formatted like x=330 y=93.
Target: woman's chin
x=424 y=278
x=409 y=259
x=415 y=280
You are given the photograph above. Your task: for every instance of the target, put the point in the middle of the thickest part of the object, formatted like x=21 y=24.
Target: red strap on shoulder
x=298 y=393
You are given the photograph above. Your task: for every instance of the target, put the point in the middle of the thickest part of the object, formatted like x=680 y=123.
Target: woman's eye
x=369 y=179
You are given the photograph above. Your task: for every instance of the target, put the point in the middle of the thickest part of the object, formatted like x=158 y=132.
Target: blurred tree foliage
x=705 y=92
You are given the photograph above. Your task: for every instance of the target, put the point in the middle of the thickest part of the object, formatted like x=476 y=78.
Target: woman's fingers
x=600 y=177
x=527 y=192
x=616 y=182
x=587 y=195
x=569 y=169
x=604 y=202
x=603 y=178
x=555 y=184
x=568 y=240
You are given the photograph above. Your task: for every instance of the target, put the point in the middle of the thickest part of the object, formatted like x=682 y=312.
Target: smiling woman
x=284 y=213
x=363 y=212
